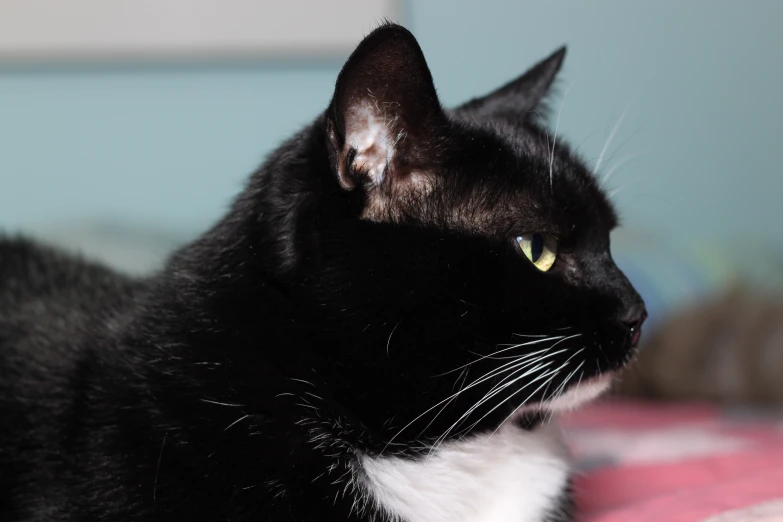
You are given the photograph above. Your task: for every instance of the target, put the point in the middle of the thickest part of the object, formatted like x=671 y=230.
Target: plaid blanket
x=676 y=463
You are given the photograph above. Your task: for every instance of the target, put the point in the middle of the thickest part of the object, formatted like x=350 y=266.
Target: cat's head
x=459 y=248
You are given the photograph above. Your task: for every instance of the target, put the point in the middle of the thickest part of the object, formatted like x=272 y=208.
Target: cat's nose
x=632 y=318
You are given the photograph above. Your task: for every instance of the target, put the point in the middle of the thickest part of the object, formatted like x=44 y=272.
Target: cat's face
x=463 y=249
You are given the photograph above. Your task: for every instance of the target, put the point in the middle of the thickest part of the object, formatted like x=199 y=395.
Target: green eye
x=540 y=249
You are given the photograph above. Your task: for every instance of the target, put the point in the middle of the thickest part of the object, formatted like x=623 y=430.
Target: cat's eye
x=540 y=249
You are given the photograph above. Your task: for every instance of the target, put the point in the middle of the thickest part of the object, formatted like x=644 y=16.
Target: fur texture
x=510 y=474
x=363 y=302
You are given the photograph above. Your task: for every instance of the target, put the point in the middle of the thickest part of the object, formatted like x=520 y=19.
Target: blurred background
x=127 y=127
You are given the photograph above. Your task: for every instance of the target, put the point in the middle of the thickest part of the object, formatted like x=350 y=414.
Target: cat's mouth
x=635 y=336
x=635 y=329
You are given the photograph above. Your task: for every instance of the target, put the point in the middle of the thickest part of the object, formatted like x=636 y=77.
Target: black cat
x=375 y=330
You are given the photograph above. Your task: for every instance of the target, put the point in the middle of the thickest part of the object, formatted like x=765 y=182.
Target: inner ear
x=385 y=114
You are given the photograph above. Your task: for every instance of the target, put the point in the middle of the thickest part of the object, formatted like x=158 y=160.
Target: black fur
x=563 y=509
x=243 y=380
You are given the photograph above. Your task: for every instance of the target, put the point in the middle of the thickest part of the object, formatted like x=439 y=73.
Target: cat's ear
x=518 y=98
x=385 y=115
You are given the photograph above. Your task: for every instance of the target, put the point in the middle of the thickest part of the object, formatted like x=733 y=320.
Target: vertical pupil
x=536 y=247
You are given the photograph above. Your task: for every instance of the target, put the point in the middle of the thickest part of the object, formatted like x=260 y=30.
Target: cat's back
x=39 y=282
x=29 y=269
x=52 y=304
x=56 y=311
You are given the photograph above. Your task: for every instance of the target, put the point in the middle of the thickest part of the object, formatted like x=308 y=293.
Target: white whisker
x=613 y=192
x=303 y=381
x=489 y=395
x=580 y=350
x=236 y=421
x=529 y=343
x=551 y=372
x=580 y=378
x=229 y=404
x=517 y=366
x=478 y=381
x=610 y=138
x=462 y=375
x=554 y=139
x=390 y=336
x=537 y=360
x=620 y=163
x=499 y=387
x=454 y=397
x=157 y=472
x=561 y=339
x=514 y=367
x=546 y=130
x=465 y=415
x=547 y=356
x=561 y=389
x=492 y=357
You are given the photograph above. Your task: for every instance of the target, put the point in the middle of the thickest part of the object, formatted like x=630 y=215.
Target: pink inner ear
x=371 y=129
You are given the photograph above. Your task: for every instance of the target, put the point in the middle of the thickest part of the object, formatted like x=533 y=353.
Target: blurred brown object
x=728 y=349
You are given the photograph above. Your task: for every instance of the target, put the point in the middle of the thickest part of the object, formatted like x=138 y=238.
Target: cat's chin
x=576 y=396
x=531 y=416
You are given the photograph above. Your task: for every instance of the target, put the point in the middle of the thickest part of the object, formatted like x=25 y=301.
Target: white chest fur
x=511 y=476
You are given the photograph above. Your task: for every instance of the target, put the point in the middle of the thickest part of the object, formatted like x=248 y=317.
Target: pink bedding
x=676 y=463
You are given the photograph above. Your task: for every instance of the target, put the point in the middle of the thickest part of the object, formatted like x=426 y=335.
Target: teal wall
x=167 y=147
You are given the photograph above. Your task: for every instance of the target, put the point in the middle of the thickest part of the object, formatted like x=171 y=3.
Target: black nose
x=633 y=317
